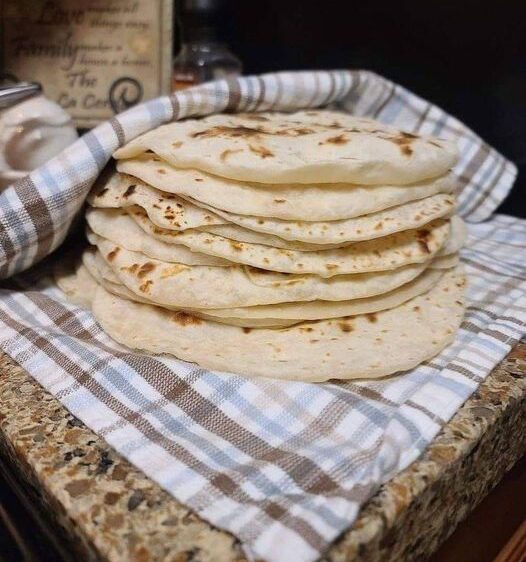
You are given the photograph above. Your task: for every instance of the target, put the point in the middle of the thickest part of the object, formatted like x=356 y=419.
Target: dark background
x=467 y=56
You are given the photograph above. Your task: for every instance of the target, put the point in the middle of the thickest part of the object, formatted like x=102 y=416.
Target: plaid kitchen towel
x=284 y=466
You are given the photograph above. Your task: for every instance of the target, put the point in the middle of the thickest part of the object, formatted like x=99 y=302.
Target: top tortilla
x=302 y=147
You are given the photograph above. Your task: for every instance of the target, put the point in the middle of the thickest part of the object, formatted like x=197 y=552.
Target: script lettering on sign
x=95 y=58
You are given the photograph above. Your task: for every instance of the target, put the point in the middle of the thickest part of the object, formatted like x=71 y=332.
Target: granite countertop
x=105 y=509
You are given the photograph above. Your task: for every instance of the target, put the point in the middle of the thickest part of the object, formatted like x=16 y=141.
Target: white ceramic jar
x=32 y=131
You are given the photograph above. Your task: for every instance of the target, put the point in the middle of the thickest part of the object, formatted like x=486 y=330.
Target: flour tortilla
x=164 y=209
x=180 y=286
x=457 y=236
x=310 y=202
x=74 y=279
x=277 y=315
x=297 y=148
x=445 y=262
x=241 y=234
x=112 y=284
x=98 y=266
x=413 y=214
x=368 y=346
x=175 y=213
x=390 y=252
x=316 y=310
x=369 y=229
x=117 y=225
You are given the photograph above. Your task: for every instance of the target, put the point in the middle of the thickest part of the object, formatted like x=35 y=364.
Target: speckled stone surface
x=102 y=508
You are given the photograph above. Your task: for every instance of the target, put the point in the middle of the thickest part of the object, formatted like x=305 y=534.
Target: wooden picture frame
x=94 y=58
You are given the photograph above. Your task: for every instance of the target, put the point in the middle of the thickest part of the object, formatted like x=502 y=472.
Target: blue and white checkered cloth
x=284 y=466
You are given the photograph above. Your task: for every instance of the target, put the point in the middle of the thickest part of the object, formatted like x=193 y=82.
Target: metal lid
x=14 y=93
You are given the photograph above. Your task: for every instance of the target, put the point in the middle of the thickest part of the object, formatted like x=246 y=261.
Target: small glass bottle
x=202 y=56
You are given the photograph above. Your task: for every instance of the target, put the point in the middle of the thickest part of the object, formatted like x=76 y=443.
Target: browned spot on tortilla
x=132 y=268
x=261 y=221
x=111 y=255
x=416 y=308
x=171 y=270
x=155 y=159
x=261 y=151
x=331 y=266
x=265 y=260
x=338 y=140
x=279 y=200
x=306 y=329
x=185 y=319
x=284 y=252
x=247 y=330
x=131 y=189
x=225 y=131
x=237 y=246
x=177 y=144
x=379 y=226
x=145 y=287
x=208 y=218
x=179 y=205
x=295 y=132
x=460 y=303
x=161 y=171
x=145 y=269
x=155 y=206
x=408 y=135
x=403 y=140
x=225 y=154
x=313 y=341
x=423 y=239
x=102 y=192
x=371 y=317
x=418 y=217
x=434 y=143
x=198 y=179
x=345 y=326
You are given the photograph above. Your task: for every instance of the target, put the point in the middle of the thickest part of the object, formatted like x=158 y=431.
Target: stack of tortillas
x=311 y=246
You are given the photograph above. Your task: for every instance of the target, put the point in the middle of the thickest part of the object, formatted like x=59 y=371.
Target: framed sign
x=95 y=58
